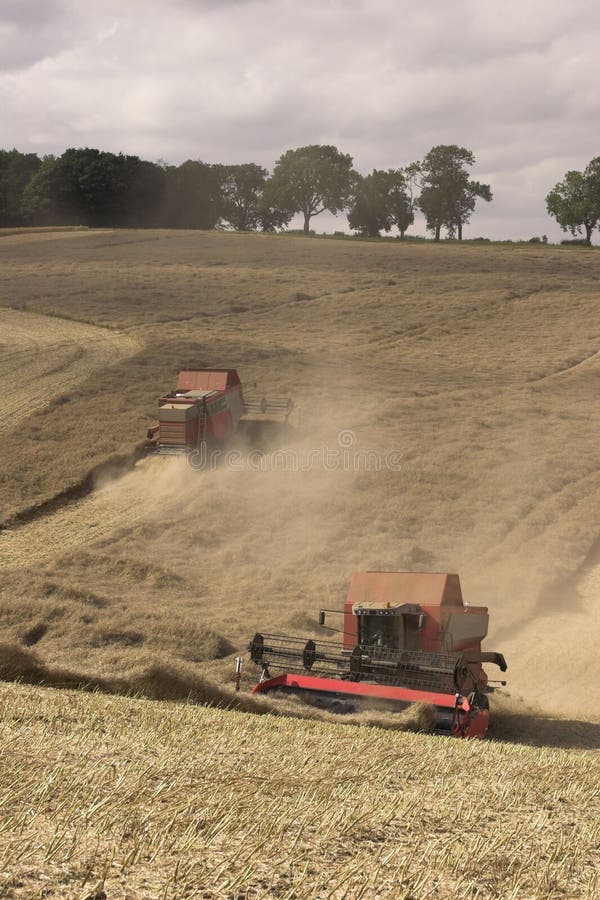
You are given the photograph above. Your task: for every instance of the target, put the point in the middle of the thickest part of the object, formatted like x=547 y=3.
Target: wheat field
x=476 y=368
x=162 y=800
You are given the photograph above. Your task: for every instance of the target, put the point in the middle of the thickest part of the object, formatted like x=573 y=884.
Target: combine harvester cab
x=407 y=637
x=206 y=407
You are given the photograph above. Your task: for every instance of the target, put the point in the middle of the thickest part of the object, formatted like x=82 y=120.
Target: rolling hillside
x=447 y=401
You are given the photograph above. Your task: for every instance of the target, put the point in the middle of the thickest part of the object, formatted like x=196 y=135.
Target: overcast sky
x=516 y=82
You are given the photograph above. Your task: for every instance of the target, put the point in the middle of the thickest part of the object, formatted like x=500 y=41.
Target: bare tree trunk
x=460 y=231
x=438 y=229
x=306 y=223
x=588 y=234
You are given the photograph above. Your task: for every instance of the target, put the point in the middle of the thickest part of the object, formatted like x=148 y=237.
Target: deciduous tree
x=448 y=196
x=144 y=194
x=575 y=201
x=241 y=188
x=271 y=217
x=16 y=171
x=83 y=186
x=193 y=197
x=381 y=200
x=92 y=187
x=403 y=199
x=310 y=180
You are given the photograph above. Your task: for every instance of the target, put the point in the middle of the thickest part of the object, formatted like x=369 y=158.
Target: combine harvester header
x=206 y=407
x=407 y=637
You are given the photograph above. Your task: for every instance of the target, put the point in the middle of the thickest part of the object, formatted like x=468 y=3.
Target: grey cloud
x=30 y=13
x=247 y=79
x=30 y=31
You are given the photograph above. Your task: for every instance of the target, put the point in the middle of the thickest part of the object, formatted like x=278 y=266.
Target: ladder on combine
x=174 y=442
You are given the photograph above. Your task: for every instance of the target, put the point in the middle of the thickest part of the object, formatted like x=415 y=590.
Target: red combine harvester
x=206 y=407
x=407 y=637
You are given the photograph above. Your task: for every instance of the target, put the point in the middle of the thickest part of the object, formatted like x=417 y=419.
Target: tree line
x=97 y=188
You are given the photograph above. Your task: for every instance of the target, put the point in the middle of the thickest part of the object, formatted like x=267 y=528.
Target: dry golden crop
x=163 y=800
x=478 y=366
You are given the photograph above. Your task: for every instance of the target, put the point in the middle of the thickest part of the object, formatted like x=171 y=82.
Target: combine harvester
x=407 y=637
x=207 y=407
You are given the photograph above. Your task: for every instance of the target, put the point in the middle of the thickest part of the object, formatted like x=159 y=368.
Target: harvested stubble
x=170 y=800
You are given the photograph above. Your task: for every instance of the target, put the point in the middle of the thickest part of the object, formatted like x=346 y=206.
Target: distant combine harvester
x=206 y=408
